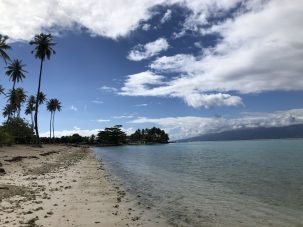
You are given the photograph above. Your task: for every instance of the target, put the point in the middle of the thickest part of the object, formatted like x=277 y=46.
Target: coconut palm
x=7 y=111
x=43 y=49
x=16 y=98
x=4 y=47
x=15 y=71
x=53 y=105
x=41 y=98
x=2 y=90
x=30 y=107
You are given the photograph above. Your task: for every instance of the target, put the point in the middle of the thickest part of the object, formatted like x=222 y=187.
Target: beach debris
x=20 y=158
x=2 y=171
x=38 y=208
x=49 y=153
x=50 y=213
x=136 y=218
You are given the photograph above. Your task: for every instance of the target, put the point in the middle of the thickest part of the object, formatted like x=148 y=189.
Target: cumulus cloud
x=141 y=52
x=150 y=84
x=258 y=51
x=22 y=19
x=189 y=126
x=167 y=16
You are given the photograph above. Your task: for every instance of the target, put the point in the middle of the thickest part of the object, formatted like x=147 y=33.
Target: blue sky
x=189 y=67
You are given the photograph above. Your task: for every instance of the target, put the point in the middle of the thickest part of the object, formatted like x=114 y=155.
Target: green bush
x=5 y=138
x=19 y=129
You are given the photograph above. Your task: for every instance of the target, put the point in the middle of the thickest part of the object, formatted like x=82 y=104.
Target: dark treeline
x=114 y=136
x=153 y=135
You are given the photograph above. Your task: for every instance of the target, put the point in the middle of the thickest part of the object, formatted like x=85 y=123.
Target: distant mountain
x=292 y=131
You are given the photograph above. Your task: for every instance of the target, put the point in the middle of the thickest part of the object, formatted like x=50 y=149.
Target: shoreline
x=63 y=186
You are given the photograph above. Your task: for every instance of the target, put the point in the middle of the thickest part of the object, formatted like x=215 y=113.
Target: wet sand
x=63 y=186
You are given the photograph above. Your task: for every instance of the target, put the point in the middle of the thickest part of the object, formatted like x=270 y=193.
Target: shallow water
x=234 y=183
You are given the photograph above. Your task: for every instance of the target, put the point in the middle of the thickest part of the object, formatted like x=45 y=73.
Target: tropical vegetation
x=16 y=129
x=52 y=106
x=43 y=50
x=146 y=136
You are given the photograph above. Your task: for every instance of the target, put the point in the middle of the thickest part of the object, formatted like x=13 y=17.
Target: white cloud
x=167 y=16
x=141 y=105
x=102 y=120
x=259 y=50
x=140 y=85
x=189 y=126
x=22 y=19
x=82 y=132
x=124 y=116
x=108 y=89
x=146 y=27
x=141 y=52
x=97 y=101
x=73 y=108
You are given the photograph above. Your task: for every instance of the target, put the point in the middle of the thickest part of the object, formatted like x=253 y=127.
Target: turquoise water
x=234 y=183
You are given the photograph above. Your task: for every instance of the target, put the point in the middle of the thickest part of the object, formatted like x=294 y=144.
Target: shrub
x=5 y=138
x=19 y=129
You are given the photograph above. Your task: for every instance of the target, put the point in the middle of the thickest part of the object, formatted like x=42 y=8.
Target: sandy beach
x=63 y=186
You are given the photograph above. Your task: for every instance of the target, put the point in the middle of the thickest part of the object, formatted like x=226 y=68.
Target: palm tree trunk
x=50 y=127
x=32 y=126
x=37 y=104
x=54 y=125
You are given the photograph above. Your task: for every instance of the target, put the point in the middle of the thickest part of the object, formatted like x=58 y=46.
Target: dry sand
x=63 y=186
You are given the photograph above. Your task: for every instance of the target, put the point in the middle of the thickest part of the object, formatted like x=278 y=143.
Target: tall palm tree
x=30 y=107
x=43 y=49
x=15 y=71
x=53 y=105
x=4 y=47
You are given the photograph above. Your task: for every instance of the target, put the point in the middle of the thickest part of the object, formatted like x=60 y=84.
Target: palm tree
x=41 y=98
x=53 y=105
x=7 y=111
x=43 y=49
x=16 y=98
x=2 y=90
x=30 y=107
x=3 y=48
x=15 y=71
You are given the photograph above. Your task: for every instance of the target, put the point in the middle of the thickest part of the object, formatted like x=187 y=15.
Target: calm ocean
x=234 y=183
